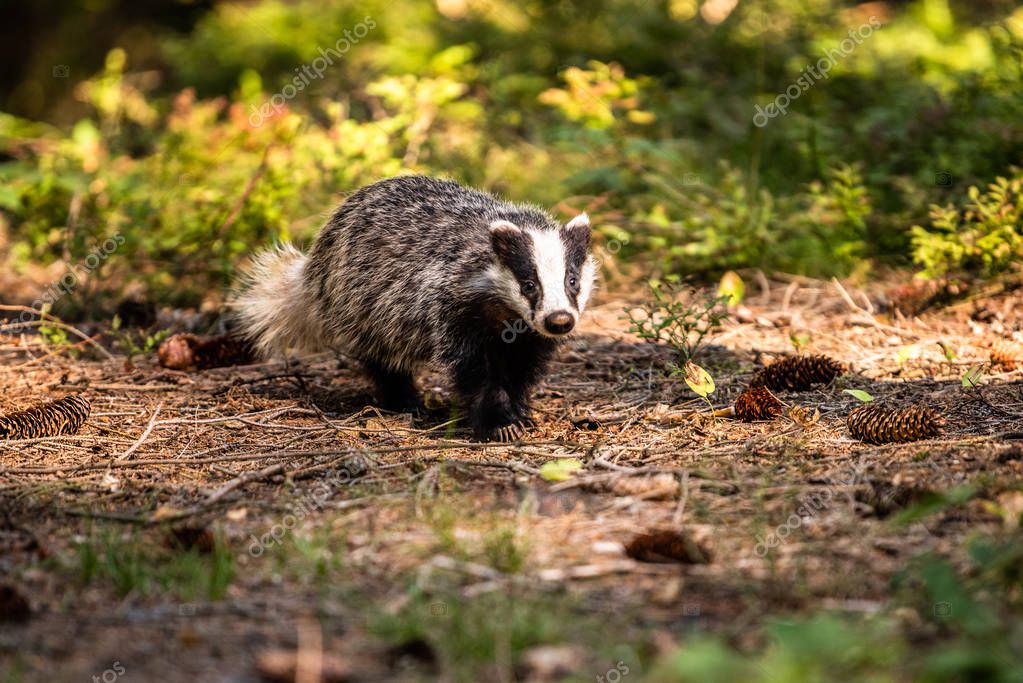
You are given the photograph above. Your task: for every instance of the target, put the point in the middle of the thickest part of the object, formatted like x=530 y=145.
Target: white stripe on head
x=549 y=258
x=586 y=281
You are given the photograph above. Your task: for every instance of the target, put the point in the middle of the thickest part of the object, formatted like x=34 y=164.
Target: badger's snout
x=559 y=322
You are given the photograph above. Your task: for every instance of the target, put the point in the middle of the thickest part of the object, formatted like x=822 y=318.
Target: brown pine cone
x=797 y=373
x=1007 y=353
x=757 y=403
x=177 y=351
x=879 y=424
x=184 y=351
x=667 y=545
x=64 y=416
x=224 y=350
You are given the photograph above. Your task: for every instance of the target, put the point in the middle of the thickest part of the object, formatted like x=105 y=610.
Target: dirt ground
x=382 y=546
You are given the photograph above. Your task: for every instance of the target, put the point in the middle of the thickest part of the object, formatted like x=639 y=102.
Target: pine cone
x=183 y=351
x=177 y=352
x=917 y=296
x=1007 y=353
x=64 y=416
x=797 y=373
x=878 y=424
x=757 y=403
x=187 y=537
x=666 y=545
x=222 y=351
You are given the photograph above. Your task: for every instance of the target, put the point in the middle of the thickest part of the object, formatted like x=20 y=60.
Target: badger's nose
x=559 y=322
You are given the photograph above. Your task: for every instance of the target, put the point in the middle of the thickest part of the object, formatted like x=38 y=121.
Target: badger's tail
x=272 y=308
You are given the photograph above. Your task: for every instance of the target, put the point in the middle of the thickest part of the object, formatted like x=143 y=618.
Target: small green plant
x=135 y=343
x=678 y=319
x=984 y=236
x=52 y=335
x=973 y=377
x=799 y=340
x=473 y=635
x=137 y=565
x=504 y=551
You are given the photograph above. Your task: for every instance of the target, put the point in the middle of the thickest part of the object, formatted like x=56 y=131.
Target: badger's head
x=544 y=274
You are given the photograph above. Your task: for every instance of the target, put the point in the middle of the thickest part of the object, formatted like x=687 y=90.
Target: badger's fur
x=415 y=271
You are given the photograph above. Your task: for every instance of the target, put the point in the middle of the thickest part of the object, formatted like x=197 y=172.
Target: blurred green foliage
x=249 y=126
x=946 y=624
x=985 y=235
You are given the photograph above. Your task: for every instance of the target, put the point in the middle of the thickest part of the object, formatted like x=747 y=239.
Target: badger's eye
x=528 y=286
x=572 y=282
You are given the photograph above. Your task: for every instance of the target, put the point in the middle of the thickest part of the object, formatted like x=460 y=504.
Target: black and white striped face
x=544 y=275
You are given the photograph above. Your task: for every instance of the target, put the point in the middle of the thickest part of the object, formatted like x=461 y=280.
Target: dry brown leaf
x=656 y=487
x=667 y=545
x=13 y=605
x=280 y=666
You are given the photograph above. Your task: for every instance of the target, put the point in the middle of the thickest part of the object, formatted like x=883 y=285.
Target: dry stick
x=145 y=435
x=309 y=656
x=238 y=482
x=47 y=319
x=121 y=387
x=680 y=509
x=249 y=187
x=77 y=346
x=848 y=299
x=440 y=445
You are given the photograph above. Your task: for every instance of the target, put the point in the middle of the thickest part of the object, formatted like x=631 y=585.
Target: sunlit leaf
x=698 y=379
x=560 y=469
x=860 y=394
x=733 y=287
x=972 y=377
x=799 y=339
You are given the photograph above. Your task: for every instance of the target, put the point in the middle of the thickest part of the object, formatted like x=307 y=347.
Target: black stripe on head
x=514 y=250
x=576 y=238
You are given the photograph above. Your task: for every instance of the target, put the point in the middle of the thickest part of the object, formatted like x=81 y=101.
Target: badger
x=413 y=272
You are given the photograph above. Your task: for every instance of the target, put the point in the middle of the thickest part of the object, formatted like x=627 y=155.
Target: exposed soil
x=794 y=514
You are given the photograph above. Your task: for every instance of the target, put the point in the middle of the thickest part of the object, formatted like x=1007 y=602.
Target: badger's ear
x=578 y=229
x=505 y=237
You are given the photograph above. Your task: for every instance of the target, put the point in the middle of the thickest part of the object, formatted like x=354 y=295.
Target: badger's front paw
x=507 y=433
x=496 y=418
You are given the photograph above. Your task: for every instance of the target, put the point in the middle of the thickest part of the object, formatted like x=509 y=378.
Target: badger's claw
x=508 y=433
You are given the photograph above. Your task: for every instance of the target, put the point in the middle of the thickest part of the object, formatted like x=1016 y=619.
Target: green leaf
x=860 y=394
x=732 y=287
x=698 y=379
x=560 y=469
x=931 y=502
x=905 y=353
x=971 y=379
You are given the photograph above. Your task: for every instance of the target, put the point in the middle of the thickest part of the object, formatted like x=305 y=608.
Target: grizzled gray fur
x=414 y=271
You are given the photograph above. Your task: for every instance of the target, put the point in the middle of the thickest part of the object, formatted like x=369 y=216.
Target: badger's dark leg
x=395 y=390
x=520 y=366
x=495 y=379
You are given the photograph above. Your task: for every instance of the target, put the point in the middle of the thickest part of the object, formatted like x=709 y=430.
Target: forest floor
x=228 y=524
